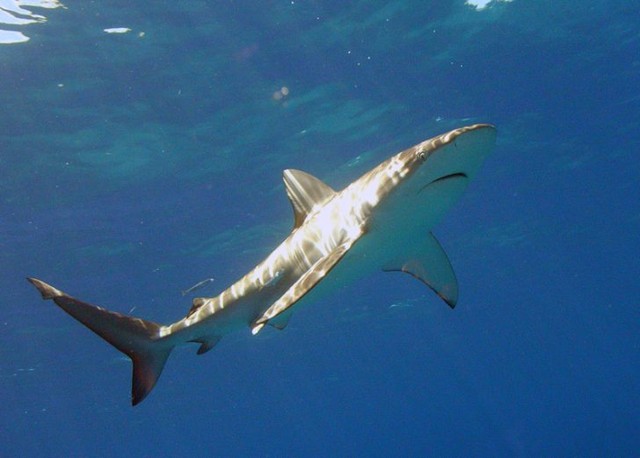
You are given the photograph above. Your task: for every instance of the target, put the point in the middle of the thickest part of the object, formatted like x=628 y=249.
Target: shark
x=381 y=221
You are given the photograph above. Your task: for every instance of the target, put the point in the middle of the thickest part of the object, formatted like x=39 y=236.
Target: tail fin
x=136 y=338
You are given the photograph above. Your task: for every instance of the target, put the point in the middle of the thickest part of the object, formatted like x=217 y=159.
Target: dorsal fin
x=195 y=305
x=305 y=191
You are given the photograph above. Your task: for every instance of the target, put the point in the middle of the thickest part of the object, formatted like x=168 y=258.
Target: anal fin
x=206 y=343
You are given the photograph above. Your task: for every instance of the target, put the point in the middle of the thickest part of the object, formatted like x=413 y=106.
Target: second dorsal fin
x=305 y=191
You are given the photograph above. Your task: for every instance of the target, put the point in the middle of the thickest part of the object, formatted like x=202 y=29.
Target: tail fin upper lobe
x=136 y=338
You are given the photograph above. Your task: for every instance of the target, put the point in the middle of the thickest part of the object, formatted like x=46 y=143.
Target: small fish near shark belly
x=380 y=221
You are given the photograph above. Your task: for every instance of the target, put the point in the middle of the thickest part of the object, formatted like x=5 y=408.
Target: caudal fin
x=138 y=339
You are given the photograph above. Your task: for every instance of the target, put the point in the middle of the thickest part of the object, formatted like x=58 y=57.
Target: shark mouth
x=442 y=179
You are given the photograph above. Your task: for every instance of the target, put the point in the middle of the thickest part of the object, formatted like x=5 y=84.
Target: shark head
x=458 y=153
x=414 y=189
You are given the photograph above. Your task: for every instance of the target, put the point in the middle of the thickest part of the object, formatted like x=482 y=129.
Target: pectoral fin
x=304 y=284
x=430 y=265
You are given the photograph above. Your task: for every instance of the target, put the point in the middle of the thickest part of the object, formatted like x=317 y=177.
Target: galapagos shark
x=381 y=221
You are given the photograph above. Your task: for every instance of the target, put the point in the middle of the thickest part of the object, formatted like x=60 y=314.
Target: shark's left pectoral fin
x=303 y=285
x=430 y=265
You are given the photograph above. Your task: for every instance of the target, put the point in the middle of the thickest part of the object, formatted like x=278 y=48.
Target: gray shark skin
x=380 y=221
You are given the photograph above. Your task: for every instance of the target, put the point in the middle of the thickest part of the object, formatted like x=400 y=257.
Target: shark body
x=380 y=221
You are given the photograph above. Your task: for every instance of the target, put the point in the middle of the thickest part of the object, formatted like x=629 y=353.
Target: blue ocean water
x=135 y=163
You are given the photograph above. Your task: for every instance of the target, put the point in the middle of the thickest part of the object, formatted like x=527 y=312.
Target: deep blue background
x=134 y=166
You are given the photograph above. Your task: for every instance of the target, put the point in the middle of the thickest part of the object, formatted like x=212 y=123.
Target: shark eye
x=422 y=156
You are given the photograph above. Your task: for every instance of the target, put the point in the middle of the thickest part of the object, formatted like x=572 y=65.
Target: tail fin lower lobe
x=138 y=339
